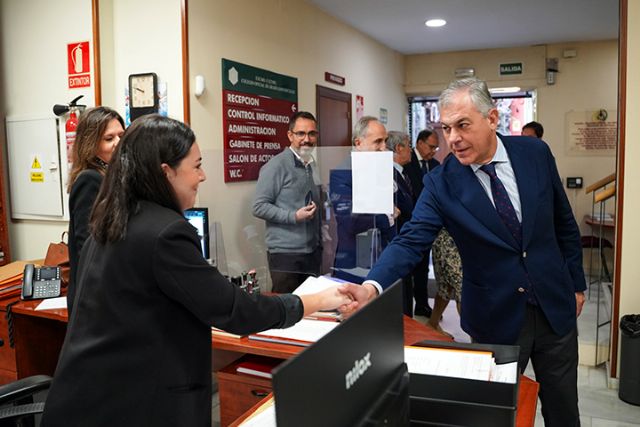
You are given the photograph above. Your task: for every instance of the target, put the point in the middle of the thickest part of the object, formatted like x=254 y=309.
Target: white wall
x=289 y=37
x=137 y=37
x=33 y=44
x=586 y=82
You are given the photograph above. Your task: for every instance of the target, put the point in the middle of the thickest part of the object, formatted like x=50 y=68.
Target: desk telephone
x=43 y=282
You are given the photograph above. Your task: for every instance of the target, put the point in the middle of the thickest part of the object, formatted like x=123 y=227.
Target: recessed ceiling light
x=433 y=23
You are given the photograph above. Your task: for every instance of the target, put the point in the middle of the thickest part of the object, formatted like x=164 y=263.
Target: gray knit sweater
x=282 y=187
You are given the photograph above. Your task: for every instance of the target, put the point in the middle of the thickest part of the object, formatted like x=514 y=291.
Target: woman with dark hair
x=138 y=345
x=98 y=133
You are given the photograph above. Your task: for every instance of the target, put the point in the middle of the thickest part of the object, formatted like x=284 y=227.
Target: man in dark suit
x=404 y=201
x=368 y=135
x=502 y=201
x=422 y=162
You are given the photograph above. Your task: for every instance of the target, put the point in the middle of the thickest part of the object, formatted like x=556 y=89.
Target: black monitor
x=353 y=376
x=199 y=218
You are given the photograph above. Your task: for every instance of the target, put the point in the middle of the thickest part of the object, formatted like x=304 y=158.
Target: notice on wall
x=256 y=107
x=591 y=133
x=78 y=65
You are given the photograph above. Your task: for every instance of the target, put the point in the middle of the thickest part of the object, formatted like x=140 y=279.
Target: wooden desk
x=414 y=332
x=525 y=416
x=39 y=336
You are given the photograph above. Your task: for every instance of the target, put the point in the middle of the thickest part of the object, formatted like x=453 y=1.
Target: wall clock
x=143 y=94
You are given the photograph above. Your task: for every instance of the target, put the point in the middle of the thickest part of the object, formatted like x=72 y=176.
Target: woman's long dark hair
x=91 y=127
x=136 y=174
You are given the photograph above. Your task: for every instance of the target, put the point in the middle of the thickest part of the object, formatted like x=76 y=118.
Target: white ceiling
x=476 y=24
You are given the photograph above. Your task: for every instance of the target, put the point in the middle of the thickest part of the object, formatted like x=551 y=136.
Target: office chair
x=17 y=407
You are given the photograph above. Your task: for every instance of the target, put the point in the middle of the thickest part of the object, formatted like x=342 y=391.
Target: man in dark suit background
x=422 y=162
x=400 y=144
x=502 y=201
x=368 y=135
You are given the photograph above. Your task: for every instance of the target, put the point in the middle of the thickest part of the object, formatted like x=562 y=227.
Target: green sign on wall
x=512 y=68
x=247 y=79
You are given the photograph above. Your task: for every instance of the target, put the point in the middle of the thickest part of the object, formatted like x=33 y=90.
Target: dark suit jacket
x=138 y=346
x=83 y=193
x=495 y=268
x=415 y=173
x=404 y=199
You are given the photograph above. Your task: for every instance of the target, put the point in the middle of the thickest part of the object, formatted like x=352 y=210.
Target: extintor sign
x=78 y=64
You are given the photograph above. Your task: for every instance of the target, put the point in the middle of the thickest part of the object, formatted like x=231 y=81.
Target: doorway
x=333 y=111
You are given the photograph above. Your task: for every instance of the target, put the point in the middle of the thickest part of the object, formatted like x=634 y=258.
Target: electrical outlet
x=574 y=182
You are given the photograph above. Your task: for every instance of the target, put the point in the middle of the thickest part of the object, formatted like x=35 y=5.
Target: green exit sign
x=512 y=68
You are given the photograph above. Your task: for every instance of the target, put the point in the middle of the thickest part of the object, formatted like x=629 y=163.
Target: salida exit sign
x=511 y=68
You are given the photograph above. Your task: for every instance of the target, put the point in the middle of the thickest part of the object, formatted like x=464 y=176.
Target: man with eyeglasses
x=422 y=162
x=287 y=198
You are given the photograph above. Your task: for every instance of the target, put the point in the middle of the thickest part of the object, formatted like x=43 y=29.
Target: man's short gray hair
x=478 y=92
x=395 y=138
x=361 y=127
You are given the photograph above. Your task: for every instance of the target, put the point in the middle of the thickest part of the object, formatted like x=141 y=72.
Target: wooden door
x=333 y=111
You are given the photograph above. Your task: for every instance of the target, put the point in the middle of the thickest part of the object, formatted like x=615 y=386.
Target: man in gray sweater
x=287 y=198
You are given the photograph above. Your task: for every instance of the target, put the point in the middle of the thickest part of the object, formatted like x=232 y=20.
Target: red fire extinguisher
x=70 y=132
x=73 y=108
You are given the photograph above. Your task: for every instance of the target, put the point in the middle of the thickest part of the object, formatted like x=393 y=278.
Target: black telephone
x=41 y=282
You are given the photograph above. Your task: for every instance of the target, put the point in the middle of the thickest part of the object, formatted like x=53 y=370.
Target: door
x=333 y=109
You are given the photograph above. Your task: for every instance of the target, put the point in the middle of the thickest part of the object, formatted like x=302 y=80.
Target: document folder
x=446 y=401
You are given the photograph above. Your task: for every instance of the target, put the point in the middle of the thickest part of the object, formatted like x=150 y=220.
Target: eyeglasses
x=433 y=147
x=313 y=134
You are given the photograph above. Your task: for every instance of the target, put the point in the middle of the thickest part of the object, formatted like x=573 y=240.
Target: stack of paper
x=469 y=364
x=11 y=279
x=303 y=333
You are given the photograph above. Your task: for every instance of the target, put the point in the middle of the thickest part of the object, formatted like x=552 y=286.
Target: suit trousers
x=555 y=363
x=288 y=270
x=420 y=282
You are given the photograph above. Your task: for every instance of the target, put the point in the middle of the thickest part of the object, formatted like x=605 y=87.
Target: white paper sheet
x=304 y=330
x=449 y=363
x=372 y=180
x=315 y=284
x=52 y=303
x=505 y=373
x=264 y=418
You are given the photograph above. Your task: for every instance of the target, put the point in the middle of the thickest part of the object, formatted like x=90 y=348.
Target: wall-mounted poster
x=256 y=107
x=591 y=133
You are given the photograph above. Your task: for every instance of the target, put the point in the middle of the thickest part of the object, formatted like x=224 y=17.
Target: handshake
x=346 y=298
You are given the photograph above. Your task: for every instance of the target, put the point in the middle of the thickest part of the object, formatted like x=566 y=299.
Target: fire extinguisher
x=73 y=108
x=70 y=133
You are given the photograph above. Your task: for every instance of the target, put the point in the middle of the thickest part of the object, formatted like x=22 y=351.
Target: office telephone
x=43 y=282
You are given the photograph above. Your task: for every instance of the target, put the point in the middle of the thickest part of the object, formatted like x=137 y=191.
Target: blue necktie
x=503 y=203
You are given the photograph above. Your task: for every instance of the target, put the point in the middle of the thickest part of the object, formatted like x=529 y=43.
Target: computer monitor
x=353 y=376
x=199 y=218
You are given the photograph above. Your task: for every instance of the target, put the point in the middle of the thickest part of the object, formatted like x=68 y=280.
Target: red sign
x=78 y=64
x=334 y=78
x=255 y=130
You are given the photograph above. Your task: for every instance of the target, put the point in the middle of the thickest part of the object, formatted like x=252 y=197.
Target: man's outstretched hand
x=360 y=294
